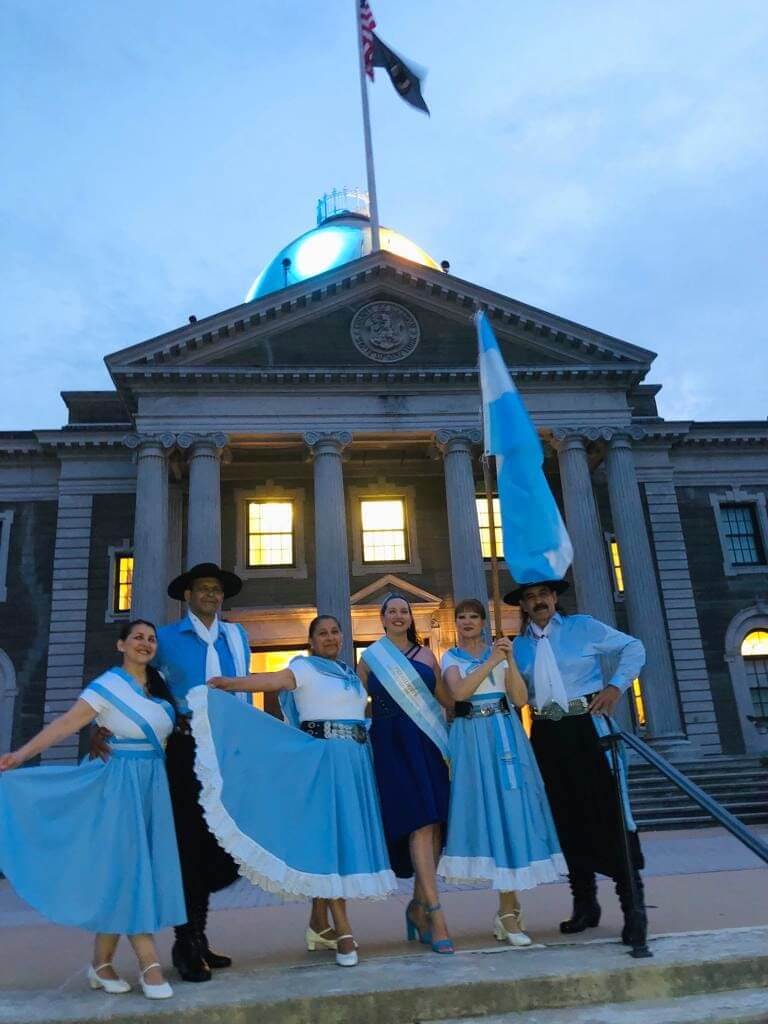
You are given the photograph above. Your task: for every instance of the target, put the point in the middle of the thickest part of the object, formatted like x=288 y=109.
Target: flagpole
x=369 y=168
x=495 y=587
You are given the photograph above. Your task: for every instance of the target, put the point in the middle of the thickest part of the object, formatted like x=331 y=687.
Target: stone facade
x=274 y=399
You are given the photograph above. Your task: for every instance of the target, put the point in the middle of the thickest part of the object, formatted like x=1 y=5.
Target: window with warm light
x=270 y=661
x=483 y=522
x=384 y=532
x=616 y=567
x=755 y=644
x=637 y=700
x=270 y=533
x=754 y=650
x=123 y=576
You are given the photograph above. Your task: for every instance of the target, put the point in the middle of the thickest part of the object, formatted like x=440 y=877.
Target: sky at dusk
x=605 y=161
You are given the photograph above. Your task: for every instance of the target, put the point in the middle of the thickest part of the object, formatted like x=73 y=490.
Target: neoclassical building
x=322 y=440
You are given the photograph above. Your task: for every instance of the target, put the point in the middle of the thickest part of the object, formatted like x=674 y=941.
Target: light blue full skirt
x=93 y=845
x=500 y=827
x=299 y=815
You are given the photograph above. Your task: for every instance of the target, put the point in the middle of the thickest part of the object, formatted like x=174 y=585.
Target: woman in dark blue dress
x=409 y=740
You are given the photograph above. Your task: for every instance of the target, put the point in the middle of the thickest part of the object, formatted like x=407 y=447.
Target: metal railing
x=729 y=821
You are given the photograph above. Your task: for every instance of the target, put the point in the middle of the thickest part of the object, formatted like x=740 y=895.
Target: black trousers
x=205 y=866
x=580 y=789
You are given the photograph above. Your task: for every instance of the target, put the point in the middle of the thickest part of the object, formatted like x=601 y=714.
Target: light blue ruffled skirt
x=300 y=815
x=93 y=845
x=500 y=827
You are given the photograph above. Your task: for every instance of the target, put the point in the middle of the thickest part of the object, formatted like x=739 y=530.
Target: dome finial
x=343 y=202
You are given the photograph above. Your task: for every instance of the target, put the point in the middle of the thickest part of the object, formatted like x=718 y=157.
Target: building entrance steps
x=477 y=985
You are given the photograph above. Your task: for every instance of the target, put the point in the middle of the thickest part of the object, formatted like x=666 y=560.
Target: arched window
x=754 y=651
x=746 y=654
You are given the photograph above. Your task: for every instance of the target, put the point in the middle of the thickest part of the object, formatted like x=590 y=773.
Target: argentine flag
x=536 y=543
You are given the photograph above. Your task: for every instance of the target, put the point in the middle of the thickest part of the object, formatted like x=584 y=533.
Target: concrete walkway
x=696 y=881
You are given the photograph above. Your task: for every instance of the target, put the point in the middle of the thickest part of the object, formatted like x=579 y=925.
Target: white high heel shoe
x=161 y=991
x=115 y=986
x=347 y=959
x=518 y=938
x=315 y=940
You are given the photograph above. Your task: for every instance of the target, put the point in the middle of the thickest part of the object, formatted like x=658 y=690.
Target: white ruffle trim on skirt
x=255 y=862
x=460 y=870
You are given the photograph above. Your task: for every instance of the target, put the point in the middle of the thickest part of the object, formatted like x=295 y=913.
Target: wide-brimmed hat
x=515 y=596
x=230 y=583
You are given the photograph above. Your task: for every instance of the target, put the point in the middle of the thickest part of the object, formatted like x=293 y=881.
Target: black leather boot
x=586 y=909
x=635 y=927
x=200 y=920
x=187 y=955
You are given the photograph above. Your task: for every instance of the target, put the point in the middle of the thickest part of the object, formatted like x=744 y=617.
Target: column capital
x=622 y=437
x=327 y=442
x=137 y=442
x=216 y=440
x=457 y=439
x=576 y=435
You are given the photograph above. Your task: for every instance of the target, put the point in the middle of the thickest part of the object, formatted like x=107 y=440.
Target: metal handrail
x=704 y=800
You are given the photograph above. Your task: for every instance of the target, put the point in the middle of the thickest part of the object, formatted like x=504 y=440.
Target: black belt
x=468 y=709
x=336 y=731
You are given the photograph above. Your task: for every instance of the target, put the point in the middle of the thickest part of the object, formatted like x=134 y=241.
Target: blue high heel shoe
x=412 y=930
x=440 y=945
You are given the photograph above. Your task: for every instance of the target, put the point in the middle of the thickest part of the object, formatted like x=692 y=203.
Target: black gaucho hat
x=230 y=583
x=515 y=596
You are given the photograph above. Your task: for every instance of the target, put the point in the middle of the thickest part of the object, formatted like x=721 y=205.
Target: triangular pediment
x=310 y=326
x=375 y=592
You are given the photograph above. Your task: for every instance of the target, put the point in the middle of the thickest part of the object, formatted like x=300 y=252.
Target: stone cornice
x=183 y=377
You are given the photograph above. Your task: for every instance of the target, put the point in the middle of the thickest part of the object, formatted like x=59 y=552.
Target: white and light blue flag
x=536 y=542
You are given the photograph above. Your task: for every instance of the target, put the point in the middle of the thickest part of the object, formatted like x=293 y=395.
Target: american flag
x=367 y=25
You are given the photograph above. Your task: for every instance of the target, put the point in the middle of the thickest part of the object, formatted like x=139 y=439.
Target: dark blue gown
x=410 y=772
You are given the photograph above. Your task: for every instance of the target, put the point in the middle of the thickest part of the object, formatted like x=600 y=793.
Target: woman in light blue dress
x=93 y=845
x=500 y=827
x=297 y=808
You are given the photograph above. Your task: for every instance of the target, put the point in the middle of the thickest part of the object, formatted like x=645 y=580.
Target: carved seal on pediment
x=385 y=331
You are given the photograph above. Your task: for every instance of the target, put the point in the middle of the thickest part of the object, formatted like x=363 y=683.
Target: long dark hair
x=156 y=684
x=411 y=633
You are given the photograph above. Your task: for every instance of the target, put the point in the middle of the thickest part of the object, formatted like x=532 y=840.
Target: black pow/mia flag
x=406 y=80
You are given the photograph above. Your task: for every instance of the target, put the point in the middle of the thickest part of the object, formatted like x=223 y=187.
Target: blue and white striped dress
x=93 y=845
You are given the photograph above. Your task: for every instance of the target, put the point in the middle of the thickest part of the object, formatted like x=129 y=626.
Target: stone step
x=423 y=987
x=747 y=1006
x=747 y=801
x=682 y=821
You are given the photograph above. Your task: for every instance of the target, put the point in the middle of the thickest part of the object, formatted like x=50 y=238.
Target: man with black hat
x=560 y=658
x=190 y=652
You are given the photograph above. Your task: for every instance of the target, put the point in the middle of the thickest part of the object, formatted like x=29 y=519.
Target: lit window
x=755 y=644
x=270 y=533
x=637 y=698
x=481 y=504
x=618 y=572
x=384 y=535
x=269 y=661
x=741 y=534
x=123 y=582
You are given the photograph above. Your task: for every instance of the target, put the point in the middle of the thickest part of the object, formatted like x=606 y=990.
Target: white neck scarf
x=548 y=685
x=209 y=636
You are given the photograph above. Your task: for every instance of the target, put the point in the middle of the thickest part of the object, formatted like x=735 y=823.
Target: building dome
x=343 y=234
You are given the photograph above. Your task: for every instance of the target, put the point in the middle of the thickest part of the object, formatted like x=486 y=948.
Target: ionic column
x=641 y=592
x=331 y=547
x=204 y=514
x=150 y=528
x=594 y=591
x=467 y=567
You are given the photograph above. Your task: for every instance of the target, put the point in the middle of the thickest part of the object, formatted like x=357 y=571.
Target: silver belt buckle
x=555 y=712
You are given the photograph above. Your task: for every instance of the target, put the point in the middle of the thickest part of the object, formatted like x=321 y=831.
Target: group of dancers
x=362 y=783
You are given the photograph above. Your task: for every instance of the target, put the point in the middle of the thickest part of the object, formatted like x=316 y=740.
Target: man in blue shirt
x=189 y=652
x=560 y=656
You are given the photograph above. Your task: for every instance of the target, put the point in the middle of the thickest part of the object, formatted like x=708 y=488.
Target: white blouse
x=155 y=713
x=494 y=682
x=321 y=697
